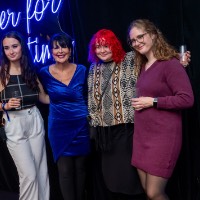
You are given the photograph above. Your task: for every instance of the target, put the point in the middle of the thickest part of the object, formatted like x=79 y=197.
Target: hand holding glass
x=16 y=94
x=182 y=51
x=136 y=93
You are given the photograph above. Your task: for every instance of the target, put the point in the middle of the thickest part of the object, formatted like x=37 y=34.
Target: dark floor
x=4 y=195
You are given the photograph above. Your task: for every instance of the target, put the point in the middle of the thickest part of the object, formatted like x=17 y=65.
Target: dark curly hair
x=28 y=69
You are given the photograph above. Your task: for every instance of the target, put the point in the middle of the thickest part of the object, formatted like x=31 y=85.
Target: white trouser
x=26 y=144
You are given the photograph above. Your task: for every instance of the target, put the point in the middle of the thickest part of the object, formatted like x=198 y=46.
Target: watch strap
x=155 y=102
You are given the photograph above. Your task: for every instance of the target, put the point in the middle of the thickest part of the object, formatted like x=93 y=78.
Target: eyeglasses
x=139 y=39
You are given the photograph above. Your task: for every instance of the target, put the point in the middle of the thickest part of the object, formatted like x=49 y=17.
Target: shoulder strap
x=106 y=87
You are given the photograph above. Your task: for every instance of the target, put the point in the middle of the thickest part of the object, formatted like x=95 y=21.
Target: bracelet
x=3 y=106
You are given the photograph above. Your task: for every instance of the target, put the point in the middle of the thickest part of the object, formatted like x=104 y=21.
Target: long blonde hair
x=162 y=50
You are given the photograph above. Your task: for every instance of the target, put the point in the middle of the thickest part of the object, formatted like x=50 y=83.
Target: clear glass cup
x=16 y=94
x=136 y=93
x=182 y=51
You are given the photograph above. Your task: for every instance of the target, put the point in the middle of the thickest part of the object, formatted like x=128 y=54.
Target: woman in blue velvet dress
x=65 y=83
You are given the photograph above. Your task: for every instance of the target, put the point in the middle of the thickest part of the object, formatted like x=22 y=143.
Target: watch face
x=155 y=100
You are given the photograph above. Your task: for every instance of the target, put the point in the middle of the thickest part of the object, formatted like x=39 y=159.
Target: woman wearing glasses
x=160 y=99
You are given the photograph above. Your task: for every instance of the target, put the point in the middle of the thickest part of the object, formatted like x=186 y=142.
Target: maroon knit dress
x=158 y=131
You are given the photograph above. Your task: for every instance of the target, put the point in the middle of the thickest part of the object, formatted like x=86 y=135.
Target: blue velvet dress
x=67 y=123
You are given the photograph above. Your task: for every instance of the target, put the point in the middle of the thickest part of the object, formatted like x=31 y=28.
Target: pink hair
x=106 y=37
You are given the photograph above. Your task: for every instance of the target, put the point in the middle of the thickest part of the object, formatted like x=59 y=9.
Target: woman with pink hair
x=111 y=86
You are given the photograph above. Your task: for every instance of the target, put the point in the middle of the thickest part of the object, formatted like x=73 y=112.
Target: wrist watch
x=155 y=102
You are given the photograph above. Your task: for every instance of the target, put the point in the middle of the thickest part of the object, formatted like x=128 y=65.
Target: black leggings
x=72 y=172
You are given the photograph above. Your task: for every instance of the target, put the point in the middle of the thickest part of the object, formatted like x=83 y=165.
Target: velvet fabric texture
x=67 y=123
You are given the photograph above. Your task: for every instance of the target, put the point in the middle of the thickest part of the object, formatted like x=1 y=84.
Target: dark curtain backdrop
x=178 y=20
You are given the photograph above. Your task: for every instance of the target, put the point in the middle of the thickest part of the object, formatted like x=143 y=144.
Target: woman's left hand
x=142 y=102
x=186 y=62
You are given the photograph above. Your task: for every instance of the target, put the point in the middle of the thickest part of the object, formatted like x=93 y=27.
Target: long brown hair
x=162 y=50
x=28 y=69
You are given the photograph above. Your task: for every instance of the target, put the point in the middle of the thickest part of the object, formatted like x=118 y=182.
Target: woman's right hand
x=12 y=103
x=142 y=102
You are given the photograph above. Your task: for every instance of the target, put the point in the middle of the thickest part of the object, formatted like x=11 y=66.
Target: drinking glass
x=16 y=94
x=136 y=93
x=182 y=51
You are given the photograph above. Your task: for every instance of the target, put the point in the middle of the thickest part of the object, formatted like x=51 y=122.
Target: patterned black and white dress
x=116 y=115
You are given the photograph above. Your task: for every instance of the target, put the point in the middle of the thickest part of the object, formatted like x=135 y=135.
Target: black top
x=29 y=97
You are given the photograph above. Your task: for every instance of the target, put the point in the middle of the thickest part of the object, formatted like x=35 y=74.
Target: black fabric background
x=178 y=20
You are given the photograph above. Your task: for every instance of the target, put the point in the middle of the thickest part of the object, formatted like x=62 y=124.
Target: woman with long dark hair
x=19 y=91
